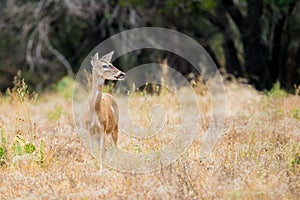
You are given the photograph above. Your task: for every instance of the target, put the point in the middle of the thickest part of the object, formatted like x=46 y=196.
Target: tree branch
x=60 y=57
x=234 y=12
x=28 y=56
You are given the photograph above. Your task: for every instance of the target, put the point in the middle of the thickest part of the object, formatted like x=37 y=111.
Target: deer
x=102 y=114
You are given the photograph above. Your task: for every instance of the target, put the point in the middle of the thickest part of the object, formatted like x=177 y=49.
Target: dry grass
x=258 y=157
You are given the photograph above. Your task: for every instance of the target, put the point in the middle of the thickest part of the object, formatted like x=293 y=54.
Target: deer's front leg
x=101 y=150
x=95 y=130
x=98 y=136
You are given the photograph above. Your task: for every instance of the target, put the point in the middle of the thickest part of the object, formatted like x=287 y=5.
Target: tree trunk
x=278 y=68
x=255 y=50
x=233 y=65
x=257 y=62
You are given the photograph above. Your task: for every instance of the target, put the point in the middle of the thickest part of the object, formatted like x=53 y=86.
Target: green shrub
x=64 y=87
x=29 y=148
x=20 y=146
x=277 y=91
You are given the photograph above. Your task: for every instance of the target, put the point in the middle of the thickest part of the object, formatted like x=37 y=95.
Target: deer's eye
x=105 y=66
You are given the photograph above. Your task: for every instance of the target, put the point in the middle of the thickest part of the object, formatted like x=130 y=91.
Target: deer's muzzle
x=120 y=76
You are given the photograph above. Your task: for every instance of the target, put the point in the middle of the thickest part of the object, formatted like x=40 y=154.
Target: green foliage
x=277 y=91
x=29 y=148
x=56 y=113
x=2 y=147
x=21 y=98
x=2 y=154
x=295 y=112
x=283 y=5
x=64 y=87
x=20 y=147
x=208 y=5
x=296 y=160
x=17 y=146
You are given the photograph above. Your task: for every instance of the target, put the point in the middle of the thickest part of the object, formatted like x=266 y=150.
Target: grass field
x=258 y=157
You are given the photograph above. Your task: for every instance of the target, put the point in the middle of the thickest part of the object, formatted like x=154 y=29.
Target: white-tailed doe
x=101 y=117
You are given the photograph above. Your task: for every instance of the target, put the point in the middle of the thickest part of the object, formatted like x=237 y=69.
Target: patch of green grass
x=21 y=129
x=21 y=146
x=295 y=156
x=3 y=153
x=55 y=114
x=296 y=160
x=295 y=113
x=275 y=101
x=277 y=91
x=17 y=146
x=29 y=148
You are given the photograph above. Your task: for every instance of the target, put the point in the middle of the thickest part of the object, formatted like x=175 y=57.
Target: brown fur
x=109 y=116
x=106 y=116
x=101 y=115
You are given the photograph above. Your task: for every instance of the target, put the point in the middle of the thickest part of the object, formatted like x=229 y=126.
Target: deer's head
x=105 y=69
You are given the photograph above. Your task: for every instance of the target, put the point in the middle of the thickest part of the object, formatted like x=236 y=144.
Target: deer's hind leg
x=114 y=135
x=101 y=150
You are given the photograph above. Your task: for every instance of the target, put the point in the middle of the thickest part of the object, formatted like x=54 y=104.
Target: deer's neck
x=98 y=83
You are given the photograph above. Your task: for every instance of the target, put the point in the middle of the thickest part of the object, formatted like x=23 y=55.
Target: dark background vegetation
x=253 y=39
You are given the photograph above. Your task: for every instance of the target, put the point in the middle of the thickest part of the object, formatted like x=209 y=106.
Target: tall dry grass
x=257 y=158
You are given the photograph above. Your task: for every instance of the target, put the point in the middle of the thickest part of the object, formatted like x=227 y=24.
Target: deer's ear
x=107 y=57
x=94 y=60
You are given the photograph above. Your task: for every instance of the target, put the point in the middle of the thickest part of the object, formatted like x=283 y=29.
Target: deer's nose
x=120 y=76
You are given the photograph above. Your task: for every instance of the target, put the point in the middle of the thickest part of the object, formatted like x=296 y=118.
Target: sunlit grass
x=258 y=157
